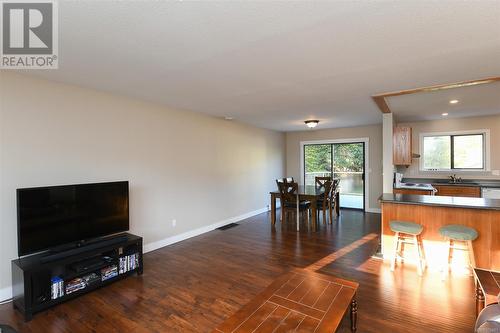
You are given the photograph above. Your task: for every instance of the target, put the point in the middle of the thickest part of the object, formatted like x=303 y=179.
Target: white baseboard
x=374 y=210
x=5 y=294
x=196 y=232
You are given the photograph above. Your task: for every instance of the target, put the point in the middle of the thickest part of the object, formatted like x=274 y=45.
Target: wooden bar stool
x=458 y=233
x=407 y=233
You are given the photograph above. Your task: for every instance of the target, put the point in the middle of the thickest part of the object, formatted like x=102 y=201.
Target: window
x=454 y=151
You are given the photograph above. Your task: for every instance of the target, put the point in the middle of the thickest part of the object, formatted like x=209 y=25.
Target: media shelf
x=33 y=277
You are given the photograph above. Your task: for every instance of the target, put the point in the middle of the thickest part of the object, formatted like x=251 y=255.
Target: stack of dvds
x=91 y=278
x=109 y=272
x=129 y=263
x=75 y=285
x=57 y=287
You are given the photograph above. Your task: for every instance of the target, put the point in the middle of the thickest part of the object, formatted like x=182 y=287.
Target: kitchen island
x=433 y=212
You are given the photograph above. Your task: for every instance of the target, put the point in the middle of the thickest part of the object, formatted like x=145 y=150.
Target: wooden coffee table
x=298 y=301
x=487 y=288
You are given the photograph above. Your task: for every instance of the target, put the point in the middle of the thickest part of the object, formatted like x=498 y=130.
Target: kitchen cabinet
x=458 y=191
x=402 y=146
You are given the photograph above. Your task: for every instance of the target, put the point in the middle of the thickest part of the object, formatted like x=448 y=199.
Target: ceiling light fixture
x=311 y=123
x=228 y=118
x=454 y=101
x=444 y=114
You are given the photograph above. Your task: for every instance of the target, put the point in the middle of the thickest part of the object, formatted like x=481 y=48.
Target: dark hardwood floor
x=192 y=286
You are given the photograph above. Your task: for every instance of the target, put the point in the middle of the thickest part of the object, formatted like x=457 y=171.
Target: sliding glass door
x=345 y=161
x=349 y=167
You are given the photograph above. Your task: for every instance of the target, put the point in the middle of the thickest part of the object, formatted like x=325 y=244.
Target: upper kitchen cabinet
x=402 y=149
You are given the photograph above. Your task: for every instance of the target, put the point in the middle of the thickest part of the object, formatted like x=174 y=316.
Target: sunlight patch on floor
x=340 y=253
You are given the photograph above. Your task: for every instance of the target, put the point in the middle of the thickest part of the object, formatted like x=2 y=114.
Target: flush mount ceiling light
x=311 y=123
x=444 y=114
x=454 y=101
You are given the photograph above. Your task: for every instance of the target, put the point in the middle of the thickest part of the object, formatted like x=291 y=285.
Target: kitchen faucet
x=455 y=179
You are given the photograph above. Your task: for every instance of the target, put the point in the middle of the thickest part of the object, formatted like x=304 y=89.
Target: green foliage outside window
x=467 y=152
x=348 y=158
x=318 y=158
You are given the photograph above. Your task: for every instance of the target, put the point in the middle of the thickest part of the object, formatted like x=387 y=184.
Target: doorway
x=343 y=159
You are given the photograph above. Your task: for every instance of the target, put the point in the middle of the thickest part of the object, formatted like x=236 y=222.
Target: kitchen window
x=465 y=151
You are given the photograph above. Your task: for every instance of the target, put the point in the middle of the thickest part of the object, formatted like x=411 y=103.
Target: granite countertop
x=494 y=183
x=442 y=201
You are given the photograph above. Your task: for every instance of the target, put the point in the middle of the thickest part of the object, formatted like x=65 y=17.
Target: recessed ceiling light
x=454 y=101
x=444 y=114
x=311 y=123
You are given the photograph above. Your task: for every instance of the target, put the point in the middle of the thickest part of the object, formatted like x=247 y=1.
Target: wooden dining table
x=298 y=301
x=311 y=193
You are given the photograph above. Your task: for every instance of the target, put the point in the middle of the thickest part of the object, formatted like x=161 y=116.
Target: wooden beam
x=384 y=107
x=382 y=104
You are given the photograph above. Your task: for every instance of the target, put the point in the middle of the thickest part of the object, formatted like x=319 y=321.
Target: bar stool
x=407 y=233
x=458 y=233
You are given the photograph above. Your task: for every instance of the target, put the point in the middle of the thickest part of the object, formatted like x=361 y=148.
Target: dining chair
x=320 y=181
x=285 y=180
x=323 y=203
x=288 y=199
x=334 y=193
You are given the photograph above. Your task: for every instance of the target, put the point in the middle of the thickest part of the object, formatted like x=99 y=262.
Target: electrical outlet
x=495 y=172
x=174 y=222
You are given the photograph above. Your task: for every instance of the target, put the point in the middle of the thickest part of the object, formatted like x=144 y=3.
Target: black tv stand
x=73 y=272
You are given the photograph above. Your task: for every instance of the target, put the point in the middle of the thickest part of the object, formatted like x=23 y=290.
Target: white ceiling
x=480 y=100
x=275 y=64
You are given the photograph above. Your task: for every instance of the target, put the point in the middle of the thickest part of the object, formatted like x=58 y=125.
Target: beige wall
x=196 y=169
x=460 y=124
x=374 y=133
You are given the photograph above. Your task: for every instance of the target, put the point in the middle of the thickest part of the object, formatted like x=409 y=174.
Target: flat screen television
x=50 y=217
